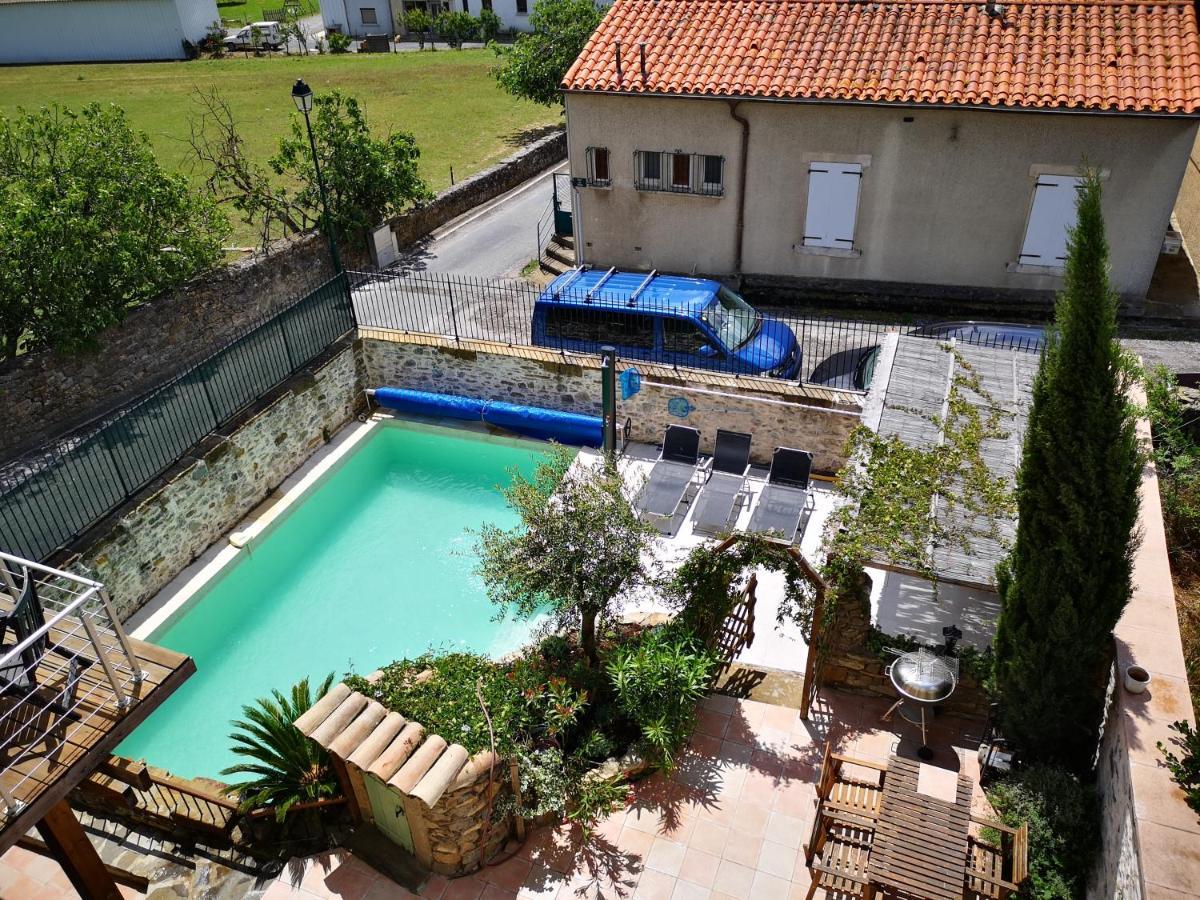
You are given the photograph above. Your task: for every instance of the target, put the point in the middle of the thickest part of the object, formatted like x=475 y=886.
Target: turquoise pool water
x=373 y=564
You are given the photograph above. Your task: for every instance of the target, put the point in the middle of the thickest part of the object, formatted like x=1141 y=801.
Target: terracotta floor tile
x=734 y=879
x=705 y=743
x=777 y=859
x=721 y=813
x=386 y=889
x=677 y=826
x=743 y=848
x=769 y=887
x=713 y=723
x=753 y=711
x=654 y=886
x=467 y=888
x=736 y=752
x=721 y=703
x=665 y=856
x=709 y=837
x=686 y=890
x=787 y=830
x=509 y=874
x=699 y=867
x=542 y=883
x=751 y=818
x=798 y=799
x=495 y=892
x=434 y=888
x=635 y=842
x=645 y=818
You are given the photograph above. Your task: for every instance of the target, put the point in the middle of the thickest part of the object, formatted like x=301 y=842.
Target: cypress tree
x=1067 y=579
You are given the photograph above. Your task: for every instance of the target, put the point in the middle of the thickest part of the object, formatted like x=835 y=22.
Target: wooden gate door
x=388 y=811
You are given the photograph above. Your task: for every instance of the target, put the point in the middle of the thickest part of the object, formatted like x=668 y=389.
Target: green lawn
x=447 y=99
x=252 y=10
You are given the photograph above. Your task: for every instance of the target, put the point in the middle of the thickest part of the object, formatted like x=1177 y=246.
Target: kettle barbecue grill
x=923 y=679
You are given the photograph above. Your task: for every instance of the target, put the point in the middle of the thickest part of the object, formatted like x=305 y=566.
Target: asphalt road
x=496 y=240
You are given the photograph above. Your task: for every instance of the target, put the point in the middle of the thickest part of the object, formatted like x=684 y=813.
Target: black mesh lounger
x=785 y=497
x=726 y=481
x=672 y=473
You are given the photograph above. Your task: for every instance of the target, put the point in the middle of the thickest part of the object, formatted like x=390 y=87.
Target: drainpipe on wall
x=741 y=209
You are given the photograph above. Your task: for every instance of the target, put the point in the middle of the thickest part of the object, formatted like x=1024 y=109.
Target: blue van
x=663 y=318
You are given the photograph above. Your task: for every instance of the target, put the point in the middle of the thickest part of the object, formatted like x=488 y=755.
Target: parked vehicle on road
x=848 y=370
x=256 y=36
x=1015 y=335
x=667 y=319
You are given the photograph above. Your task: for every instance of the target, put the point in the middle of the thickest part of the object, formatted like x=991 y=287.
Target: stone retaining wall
x=45 y=394
x=777 y=414
x=170 y=523
x=456 y=827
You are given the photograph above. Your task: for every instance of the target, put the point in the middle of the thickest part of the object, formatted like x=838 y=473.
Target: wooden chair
x=844 y=801
x=854 y=795
x=995 y=870
x=841 y=868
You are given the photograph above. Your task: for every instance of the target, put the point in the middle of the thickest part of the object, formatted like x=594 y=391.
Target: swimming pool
x=372 y=564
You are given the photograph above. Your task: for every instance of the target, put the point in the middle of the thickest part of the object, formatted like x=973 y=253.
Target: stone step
x=560 y=254
x=565 y=240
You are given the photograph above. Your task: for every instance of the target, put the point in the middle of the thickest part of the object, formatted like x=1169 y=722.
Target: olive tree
x=90 y=225
x=578 y=547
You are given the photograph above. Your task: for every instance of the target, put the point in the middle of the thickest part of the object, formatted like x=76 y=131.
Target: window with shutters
x=832 y=205
x=680 y=173
x=1051 y=214
x=597 y=167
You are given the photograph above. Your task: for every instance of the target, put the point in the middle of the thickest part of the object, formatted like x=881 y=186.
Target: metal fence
x=47 y=501
x=832 y=351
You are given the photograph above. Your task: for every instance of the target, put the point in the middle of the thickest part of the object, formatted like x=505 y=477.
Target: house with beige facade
x=919 y=149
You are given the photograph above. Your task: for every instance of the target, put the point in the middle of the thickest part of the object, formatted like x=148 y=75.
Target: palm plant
x=287 y=767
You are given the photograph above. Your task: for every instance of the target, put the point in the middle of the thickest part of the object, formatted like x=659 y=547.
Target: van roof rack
x=633 y=298
x=575 y=274
x=591 y=295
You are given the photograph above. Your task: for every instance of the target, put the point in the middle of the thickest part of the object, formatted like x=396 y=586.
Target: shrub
x=456 y=27
x=658 y=680
x=489 y=25
x=534 y=66
x=1185 y=769
x=418 y=22
x=1063 y=817
x=1177 y=456
x=338 y=42
x=287 y=767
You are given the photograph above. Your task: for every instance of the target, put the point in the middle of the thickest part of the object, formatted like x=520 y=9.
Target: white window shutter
x=832 y=204
x=1052 y=213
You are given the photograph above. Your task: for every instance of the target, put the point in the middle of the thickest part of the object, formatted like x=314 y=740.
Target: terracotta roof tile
x=1134 y=57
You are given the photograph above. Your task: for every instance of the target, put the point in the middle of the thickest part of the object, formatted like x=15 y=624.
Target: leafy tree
x=489 y=24
x=368 y=179
x=287 y=767
x=534 y=66
x=1067 y=578
x=579 y=545
x=338 y=42
x=456 y=27
x=418 y=22
x=90 y=225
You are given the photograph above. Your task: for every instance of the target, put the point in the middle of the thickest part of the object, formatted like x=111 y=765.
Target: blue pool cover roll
x=533 y=421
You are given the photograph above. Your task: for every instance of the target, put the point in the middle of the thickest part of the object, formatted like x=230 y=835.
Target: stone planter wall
x=460 y=840
x=775 y=413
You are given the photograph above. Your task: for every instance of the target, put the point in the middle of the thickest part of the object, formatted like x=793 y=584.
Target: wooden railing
x=160 y=798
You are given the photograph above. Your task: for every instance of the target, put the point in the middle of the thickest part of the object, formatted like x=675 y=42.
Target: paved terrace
x=728 y=824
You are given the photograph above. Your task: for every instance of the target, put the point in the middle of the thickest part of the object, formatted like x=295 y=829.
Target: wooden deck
x=62 y=752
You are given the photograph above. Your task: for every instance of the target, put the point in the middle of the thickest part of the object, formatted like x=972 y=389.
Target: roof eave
x=899 y=104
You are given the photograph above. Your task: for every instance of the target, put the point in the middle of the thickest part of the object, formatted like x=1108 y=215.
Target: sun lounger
x=726 y=481
x=672 y=474
x=785 y=497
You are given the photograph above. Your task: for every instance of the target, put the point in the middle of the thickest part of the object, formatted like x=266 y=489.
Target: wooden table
x=920 y=845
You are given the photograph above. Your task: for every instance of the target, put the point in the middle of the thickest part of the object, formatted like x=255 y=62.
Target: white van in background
x=269 y=36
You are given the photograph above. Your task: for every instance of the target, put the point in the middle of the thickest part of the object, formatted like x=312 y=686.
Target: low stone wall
x=480 y=188
x=776 y=414
x=456 y=828
x=1150 y=836
x=156 y=535
x=45 y=394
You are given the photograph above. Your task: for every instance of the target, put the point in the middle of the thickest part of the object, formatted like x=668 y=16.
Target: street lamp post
x=302 y=96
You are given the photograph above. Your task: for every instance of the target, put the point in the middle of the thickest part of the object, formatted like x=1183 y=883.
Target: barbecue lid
x=925 y=676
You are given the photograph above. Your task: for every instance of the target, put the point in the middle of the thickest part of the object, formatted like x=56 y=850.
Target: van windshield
x=732 y=318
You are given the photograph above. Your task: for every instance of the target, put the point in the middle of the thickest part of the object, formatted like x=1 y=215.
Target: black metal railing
x=51 y=497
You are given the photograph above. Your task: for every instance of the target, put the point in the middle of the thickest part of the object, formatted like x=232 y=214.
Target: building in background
x=53 y=31
x=360 y=18
x=903 y=148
